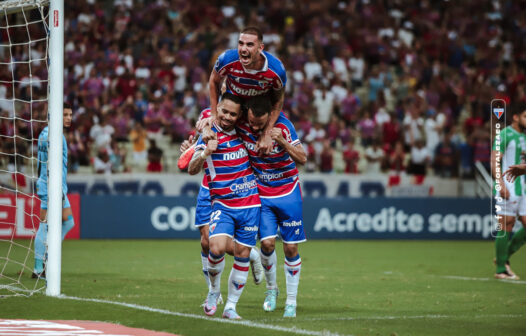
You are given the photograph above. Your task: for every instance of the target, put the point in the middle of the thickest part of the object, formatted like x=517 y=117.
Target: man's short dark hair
x=232 y=97
x=260 y=105
x=67 y=106
x=253 y=31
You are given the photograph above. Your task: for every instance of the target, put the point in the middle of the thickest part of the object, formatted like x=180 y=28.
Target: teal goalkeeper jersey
x=42 y=163
x=513 y=149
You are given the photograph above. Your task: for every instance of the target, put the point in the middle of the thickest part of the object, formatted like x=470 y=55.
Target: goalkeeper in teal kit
x=42 y=192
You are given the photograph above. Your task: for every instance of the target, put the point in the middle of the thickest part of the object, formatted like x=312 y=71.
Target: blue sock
x=67 y=226
x=40 y=247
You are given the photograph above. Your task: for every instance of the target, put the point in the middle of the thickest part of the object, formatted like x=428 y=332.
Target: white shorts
x=515 y=205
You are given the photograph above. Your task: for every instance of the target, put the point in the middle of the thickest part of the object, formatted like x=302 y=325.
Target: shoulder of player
x=275 y=64
x=228 y=57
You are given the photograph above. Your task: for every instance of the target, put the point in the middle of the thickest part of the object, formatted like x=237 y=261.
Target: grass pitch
x=346 y=288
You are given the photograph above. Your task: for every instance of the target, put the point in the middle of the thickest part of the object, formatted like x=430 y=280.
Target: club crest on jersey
x=238 y=285
x=293 y=272
x=498 y=111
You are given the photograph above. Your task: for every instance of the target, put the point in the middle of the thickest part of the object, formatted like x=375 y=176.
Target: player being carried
x=281 y=202
x=235 y=203
x=510 y=149
x=203 y=210
x=250 y=71
x=42 y=192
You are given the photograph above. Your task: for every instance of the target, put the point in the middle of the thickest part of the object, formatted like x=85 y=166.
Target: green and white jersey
x=512 y=145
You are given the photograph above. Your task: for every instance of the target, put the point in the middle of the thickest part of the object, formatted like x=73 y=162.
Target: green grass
x=347 y=287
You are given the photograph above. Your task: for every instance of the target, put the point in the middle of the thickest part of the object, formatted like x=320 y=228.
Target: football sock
x=501 y=250
x=518 y=239
x=269 y=261
x=40 y=247
x=237 y=281
x=204 y=262
x=216 y=265
x=67 y=226
x=254 y=254
x=292 y=276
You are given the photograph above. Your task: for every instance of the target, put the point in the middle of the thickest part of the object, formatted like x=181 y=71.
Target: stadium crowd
x=399 y=86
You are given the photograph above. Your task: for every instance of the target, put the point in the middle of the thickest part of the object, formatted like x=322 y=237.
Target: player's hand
x=208 y=134
x=514 y=171
x=211 y=147
x=205 y=122
x=187 y=143
x=264 y=144
x=277 y=135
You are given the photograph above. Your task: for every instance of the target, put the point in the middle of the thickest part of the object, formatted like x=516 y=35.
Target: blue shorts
x=285 y=212
x=240 y=224
x=43 y=201
x=203 y=208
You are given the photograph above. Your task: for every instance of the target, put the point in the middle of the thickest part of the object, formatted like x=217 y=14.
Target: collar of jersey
x=252 y=72
x=219 y=129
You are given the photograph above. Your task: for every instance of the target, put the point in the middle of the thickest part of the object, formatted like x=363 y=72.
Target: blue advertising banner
x=324 y=218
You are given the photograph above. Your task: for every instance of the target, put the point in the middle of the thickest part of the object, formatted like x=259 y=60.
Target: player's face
x=257 y=124
x=68 y=115
x=249 y=48
x=228 y=113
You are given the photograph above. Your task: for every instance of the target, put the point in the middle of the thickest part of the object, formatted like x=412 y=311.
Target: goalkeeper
x=42 y=192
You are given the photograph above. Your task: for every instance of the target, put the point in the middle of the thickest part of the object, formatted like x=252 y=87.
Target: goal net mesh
x=24 y=89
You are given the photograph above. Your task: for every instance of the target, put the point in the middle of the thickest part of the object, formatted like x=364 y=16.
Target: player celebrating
x=235 y=204
x=203 y=210
x=510 y=148
x=250 y=71
x=281 y=202
x=67 y=215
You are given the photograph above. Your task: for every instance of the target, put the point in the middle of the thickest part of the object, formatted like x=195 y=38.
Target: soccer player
x=203 y=210
x=235 y=204
x=281 y=202
x=42 y=192
x=510 y=148
x=250 y=71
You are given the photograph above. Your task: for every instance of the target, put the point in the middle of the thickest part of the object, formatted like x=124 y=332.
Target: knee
x=268 y=245
x=290 y=250
x=205 y=246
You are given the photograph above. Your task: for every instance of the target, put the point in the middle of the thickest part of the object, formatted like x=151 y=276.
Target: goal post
x=55 y=112
x=31 y=98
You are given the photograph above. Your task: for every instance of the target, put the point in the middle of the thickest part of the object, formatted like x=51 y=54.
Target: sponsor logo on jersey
x=270 y=176
x=246 y=92
x=241 y=187
x=241 y=153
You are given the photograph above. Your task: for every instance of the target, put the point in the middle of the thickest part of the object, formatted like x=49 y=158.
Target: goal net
x=24 y=88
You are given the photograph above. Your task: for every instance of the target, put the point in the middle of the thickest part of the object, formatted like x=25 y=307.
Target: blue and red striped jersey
x=276 y=173
x=248 y=83
x=231 y=180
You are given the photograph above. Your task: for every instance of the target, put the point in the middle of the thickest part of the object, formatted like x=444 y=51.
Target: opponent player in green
x=509 y=148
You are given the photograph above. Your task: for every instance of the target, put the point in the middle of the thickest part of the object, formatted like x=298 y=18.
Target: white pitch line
x=245 y=323
x=455 y=277
x=403 y=317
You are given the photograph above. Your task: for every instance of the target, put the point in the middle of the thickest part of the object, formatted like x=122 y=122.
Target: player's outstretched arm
x=297 y=152
x=515 y=171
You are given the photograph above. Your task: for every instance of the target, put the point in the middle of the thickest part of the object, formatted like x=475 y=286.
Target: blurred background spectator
x=358 y=70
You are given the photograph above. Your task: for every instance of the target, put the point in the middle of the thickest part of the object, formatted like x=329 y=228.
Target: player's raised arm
x=200 y=155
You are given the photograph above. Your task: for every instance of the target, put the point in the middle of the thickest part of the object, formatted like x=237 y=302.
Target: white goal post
x=33 y=65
